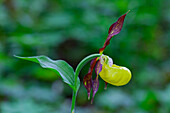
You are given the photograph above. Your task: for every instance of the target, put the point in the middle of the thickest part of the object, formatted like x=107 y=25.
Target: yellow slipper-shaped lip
x=115 y=75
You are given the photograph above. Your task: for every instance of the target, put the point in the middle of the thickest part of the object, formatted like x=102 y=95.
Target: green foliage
x=61 y=67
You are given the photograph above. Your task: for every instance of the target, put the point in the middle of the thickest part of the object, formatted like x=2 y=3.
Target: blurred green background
x=71 y=30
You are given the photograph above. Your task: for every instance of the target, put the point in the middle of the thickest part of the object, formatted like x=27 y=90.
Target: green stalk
x=73 y=101
x=77 y=72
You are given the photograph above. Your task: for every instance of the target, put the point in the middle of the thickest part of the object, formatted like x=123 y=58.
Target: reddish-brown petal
x=107 y=42
x=95 y=86
x=95 y=82
x=98 y=68
x=87 y=81
x=114 y=29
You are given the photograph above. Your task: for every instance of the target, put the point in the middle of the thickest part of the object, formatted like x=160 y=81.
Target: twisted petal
x=95 y=86
x=95 y=82
x=98 y=68
x=115 y=75
x=114 y=29
x=87 y=81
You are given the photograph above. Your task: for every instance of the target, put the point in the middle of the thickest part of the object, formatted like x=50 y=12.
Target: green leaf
x=61 y=67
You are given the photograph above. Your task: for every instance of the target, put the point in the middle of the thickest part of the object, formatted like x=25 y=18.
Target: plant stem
x=82 y=63
x=73 y=101
x=78 y=69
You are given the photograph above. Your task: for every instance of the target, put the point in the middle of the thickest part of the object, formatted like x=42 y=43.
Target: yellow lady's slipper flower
x=109 y=72
x=115 y=75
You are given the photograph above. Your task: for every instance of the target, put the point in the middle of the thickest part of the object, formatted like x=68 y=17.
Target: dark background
x=72 y=29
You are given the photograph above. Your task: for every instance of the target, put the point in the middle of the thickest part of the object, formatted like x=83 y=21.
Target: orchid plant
x=109 y=72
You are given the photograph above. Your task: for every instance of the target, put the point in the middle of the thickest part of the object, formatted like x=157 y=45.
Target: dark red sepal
x=95 y=86
x=87 y=81
x=95 y=82
x=114 y=29
x=98 y=68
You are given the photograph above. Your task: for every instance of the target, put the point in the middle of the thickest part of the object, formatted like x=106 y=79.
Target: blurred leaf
x=61 y=67
x=24 y=106
x=163 y=96
x=113 y=99
x=150 y=102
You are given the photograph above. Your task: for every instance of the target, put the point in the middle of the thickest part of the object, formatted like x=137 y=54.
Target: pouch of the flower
x=115 y=75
